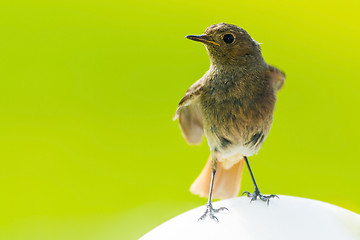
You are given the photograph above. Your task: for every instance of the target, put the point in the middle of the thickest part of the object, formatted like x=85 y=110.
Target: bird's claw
x=256 y=194
x=247 y=193
x=211 y=212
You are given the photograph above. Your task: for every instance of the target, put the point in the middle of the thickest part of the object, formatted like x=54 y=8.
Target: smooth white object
x=285 y=218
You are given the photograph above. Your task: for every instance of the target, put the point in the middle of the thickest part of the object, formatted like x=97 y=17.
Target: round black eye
x=228 y=38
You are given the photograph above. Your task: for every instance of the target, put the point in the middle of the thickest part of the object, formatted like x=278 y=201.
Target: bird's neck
x=248 y=66
x=246 y=61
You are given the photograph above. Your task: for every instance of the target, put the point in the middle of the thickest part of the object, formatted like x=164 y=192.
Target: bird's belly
x=232 y=141
x=238 y=149
x=230 y=156
x=229 y=161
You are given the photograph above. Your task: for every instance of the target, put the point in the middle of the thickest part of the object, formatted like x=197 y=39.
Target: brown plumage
x=233 y=105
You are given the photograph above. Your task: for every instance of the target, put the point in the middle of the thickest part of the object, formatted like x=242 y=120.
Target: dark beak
x=201 y=38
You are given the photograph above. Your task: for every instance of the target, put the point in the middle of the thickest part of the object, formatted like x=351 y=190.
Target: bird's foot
x=257 y=194
x=210 y=211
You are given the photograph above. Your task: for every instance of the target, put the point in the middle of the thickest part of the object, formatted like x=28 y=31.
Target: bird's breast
x=237 y=118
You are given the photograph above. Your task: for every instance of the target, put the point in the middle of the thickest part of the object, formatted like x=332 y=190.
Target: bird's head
x=228 y=44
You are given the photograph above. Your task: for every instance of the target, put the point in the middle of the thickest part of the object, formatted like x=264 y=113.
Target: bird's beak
x=202 y=38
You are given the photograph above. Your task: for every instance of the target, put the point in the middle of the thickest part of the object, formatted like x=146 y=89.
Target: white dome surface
x=285 y=218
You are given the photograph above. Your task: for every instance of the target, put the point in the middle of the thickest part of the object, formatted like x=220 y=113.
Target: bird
x=233 y=106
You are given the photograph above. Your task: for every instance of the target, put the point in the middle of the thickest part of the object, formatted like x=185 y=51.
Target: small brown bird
x=233 y=104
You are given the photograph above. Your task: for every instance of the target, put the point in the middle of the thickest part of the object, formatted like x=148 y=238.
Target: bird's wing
x=277 y=78
x=189 y=114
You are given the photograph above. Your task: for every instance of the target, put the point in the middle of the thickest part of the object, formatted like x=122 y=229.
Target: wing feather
x=277 y=78
x=190 y=115
x=191 y=124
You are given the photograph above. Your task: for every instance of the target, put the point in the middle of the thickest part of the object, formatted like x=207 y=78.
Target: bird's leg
x=209 y=208
x=256 y=193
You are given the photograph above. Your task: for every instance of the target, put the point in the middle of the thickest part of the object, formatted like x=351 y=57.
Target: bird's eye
x=228 y=38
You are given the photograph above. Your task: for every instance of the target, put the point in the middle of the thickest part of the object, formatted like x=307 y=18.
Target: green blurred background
x=89 y=87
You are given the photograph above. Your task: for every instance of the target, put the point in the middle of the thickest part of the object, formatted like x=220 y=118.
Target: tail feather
x=226 y=182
